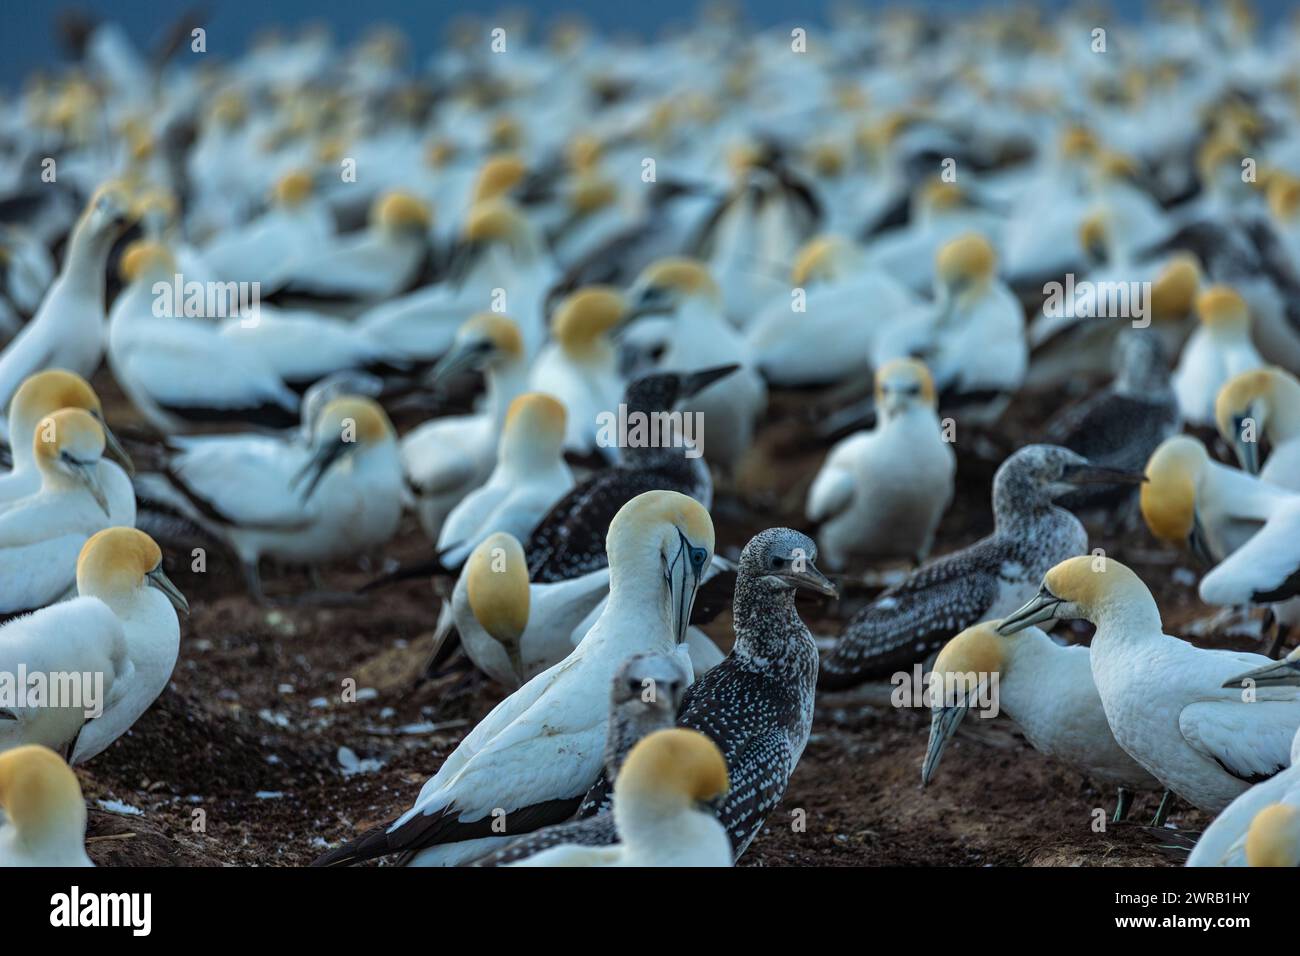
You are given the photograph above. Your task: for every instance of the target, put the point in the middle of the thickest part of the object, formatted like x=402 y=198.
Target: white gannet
x=536 y=754
x=178 y=369
x=881 y=493
x=990 y=578
x=1219 y=349
x=42 y=534
x=447 y=458
x=122 y=569
x=1266 y=568
x=44 y=819
x=68 y=328
x=657 y=796
x=339 y=496
x=1263 y=404
x=1164 y=698
x=1046 y=689
x=1253 y=817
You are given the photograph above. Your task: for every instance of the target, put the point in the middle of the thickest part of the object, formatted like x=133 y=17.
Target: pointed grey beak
x=88 y=474
x=683 y=584
x=462 y=357
x=1090 y=474
x=1247 y=452
x=812 y=579
x=320 y=463
x=696 y=382
x=944 y=722
x=113 y=447
x=1283 y=673
x=157 y=578
x=1041 y=608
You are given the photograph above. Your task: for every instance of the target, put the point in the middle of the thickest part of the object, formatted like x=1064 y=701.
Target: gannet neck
x=506 y=381
x=765 y=616
x=87 y=262
x=1227 y=490
x=1124 y=607
x=639 y=592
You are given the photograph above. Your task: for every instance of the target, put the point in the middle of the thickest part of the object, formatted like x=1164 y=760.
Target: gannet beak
x=1247 y=452
x=1283 y=673
x=944 y=722
x=683 y=577
x=1041 y=608
x=810 y=577
x=1090 y=474
x=88 y=474
x=158 y=578
x=697 y=382
x=460 y=358
x=113 y=447
x=319 y=464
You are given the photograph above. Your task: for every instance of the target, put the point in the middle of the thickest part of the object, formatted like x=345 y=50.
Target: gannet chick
x=570 y=540
x=447 y=458
x=337 y=497
x=580 y=367
x=881 y=493
x=666 y=778
x=1263 y=403
x=1250 y=818
x=122 y=568
x=1046 y=688
x=990 y=578
x=43 y=394
x=42 y=534
x=537 y=753
x=68 y=329
x=1163 y=697
x=645 y=696
x=377 y=263
x=1219 y=349
x=44 y=819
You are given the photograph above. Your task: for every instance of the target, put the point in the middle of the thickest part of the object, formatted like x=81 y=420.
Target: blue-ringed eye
x=698 y=556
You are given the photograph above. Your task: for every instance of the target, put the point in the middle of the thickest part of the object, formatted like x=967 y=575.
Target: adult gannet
x=337 y=497
x=1265 y=568
x=68 y=328
x=1164 y=698
x=41 y=534
x=987 y=579
x=881 y=493
x=44 y=819
x=446 y=458
x=665 y=780
x=122 y=569
x=1263 y=403
x=1219 y=349
x=1046 y=688
x=1252 y=817
x=536 y=754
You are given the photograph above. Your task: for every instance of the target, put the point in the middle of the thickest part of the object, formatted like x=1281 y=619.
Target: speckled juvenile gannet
x=645 y=696
x=1263 y=404
x=1219 y=349
x=122 y=569
x=987 y=579
x=537 y=753
x=447 y=458
x=44 y=818
x=665 y=779
x=42 y=534
x=339 y=496
x=881 y=493
x=1253 y=818
x=43 y=394
x=1163 y=697
x=68 y=329
x=1047 y=689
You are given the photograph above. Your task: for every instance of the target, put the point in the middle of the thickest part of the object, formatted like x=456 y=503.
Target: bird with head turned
x=44 y=818
x=1217 y=350
x=1263 y=403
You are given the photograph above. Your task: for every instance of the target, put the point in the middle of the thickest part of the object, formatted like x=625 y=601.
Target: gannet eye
x=778 y=563
x=698 y=557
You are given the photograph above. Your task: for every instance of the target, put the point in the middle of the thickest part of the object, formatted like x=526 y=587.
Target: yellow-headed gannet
x=1263 y=403
x=44 y=819
x=1219 y=349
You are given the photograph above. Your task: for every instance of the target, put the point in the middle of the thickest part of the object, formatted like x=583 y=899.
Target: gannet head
x=293 y=189
x=155 y=207
x=109 y=210
x=590 y=192
x=46 y=392
x=347 y=426
x=115 y=564
x=1168 y=497
x=146 y=260
x=68 y=446
x=1173 y=293
x=401 y=213
x=505 y=133
x=964 y=265
x=498 y=177
x=496 y=583
x=498 y=222
x=228 y=109
x=1223 y=312
x=583 y=152
x=661 y=391
x=647 y=690
x=668 y=285
x=440 y=152
x=1274 y=837
x=827 y=160
x=1078 y=588
x=672 y=770
x=1283 y=673
x=1245 y=406
x=1111 y=165
x=486 y=340
x=661 y=542
x=534 y=430
x=1076 y=142
x=823 y=259
x=783 y=559
x=1284 y=198
x=586 y=317
x=902 y=383
x=1218 y=162
x=1094 y=236
x=40 y=796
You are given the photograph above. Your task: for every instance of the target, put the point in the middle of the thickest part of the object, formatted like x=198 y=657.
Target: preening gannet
x=1253 y=818
x=657 y=799
x=44 y=819
x=990 y=578
x=339 y=496
x=1164 y=698
x=1266 y=568
x=122 y=569
x=447 y=458
x=537 y=753
x=881 y=493
x=1046 y=688
x=42 y=533
x=68 y=328
x=1219 y=349
x=645 y=696
x=1263 y=403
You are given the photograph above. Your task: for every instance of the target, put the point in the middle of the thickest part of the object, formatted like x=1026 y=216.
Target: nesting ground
x=251 y=756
